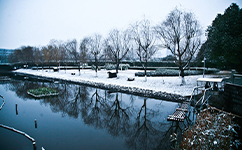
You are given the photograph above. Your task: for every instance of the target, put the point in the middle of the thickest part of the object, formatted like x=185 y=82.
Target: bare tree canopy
x=54 y=50
x=71 y=47
x=181 y=34
x=144 y=37
x=117 y=45
x=84 y=50
x=25 y=54
x=96 y=47
x=37 y=55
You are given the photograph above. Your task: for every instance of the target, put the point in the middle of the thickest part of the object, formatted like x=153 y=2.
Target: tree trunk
x=96 y=65
x=145 y=75
x=117 y=65
x=182 y=72
x=79 y=69
x=183 y=76
x=145 y=67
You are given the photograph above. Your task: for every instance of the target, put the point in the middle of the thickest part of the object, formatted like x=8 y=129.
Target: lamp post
x=204 y=59
x=42 y=61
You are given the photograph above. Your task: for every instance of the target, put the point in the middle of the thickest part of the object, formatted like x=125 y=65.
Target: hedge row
x=174 y=72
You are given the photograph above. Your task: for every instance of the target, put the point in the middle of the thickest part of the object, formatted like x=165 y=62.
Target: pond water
x=82 y=117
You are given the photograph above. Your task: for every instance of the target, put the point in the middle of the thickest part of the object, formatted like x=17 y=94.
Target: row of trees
x=55 y=51
x=180 y=33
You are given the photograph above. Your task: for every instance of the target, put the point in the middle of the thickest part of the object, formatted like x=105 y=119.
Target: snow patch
x=158 y=87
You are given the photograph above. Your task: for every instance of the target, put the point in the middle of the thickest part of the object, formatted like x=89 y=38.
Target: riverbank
x=166 y=88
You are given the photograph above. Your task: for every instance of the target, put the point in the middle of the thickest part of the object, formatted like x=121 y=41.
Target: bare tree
x=144 y=37
x=63 y=56
x=117 y=45
x=16 y=56
x=37 y=56
x=84 y=51
x=96 y=48
x=27 y=54
x=71 y=47
x=181 y=34
x=55 y=52
x=46 y=54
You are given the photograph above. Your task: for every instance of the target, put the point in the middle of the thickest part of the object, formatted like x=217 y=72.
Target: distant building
x=4 y=53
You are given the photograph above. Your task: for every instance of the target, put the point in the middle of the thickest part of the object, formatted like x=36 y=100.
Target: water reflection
x=139 y=120
x=16 y=108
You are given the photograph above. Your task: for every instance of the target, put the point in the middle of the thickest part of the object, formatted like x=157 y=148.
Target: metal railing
x=193 y=92
x=202 y=99
x=205 y=97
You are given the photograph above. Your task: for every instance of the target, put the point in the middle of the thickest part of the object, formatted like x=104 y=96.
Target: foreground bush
x=213 y=129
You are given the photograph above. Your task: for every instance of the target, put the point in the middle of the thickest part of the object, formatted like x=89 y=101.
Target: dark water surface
x=82 y=117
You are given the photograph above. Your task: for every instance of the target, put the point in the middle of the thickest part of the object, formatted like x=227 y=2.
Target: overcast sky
x=36 y=22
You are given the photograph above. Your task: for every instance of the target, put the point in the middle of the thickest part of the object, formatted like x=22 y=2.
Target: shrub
x=94 y=67
x=124 y=66
x=211 y=70
x=113 y=66
x=109 y=66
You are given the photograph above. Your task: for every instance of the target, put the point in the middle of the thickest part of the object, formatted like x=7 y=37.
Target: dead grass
x=214 y=129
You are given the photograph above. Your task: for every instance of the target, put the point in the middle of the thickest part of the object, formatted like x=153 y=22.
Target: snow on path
x=164 y=84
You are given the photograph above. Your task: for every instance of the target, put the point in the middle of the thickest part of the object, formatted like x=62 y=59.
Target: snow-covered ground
x=157 y=84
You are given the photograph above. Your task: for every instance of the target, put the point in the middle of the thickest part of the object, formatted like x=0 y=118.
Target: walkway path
x=180 y=113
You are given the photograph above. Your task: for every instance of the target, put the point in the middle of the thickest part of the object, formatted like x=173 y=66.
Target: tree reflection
x=170 y=138
x=73 y=108
x=84 y=96
x=142 y=127
x=69 y=99
x=145 y=132
x=67 y=102
x=21 y=88
x=118 y=119
x=95 y=114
